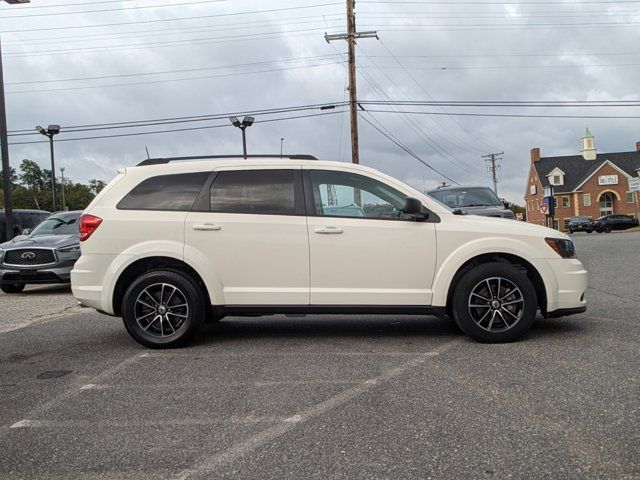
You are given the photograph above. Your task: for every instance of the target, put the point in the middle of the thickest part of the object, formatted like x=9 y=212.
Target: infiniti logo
x=28 y=255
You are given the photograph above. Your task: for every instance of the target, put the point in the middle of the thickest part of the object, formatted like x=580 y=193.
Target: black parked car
x=473 y=201
x=614 y=222
x=22 y=219
x=580 y=224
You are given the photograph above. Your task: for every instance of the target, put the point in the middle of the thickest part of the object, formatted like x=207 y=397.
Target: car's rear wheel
x=163 y=308
x=570 y=230
x=589 y=231
x=494 y=303
x=12 y=287
x=607 y=229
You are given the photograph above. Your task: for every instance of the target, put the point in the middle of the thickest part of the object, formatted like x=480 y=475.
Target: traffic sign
x=544 y=208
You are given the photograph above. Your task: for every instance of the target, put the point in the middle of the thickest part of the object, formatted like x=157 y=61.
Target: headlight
x=562 y=247
x=69 y=249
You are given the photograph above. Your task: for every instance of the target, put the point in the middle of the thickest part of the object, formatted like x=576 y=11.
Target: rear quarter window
x=175 y=192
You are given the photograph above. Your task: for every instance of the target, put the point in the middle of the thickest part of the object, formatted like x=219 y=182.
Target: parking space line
x=67 y=394
x=214 y=354
x=208 y=466
x=184 y=422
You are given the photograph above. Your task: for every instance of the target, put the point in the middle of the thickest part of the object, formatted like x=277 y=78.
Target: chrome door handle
x=329 y=230
x=206 y=226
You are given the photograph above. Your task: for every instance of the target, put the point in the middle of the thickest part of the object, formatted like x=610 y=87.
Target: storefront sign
x=634 y=184
x=608 y=180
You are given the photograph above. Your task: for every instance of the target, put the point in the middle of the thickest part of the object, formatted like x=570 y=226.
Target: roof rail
x=160 y=161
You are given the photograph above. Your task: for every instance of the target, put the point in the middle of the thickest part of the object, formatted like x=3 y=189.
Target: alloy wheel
x=161 y=310
x=496 y=304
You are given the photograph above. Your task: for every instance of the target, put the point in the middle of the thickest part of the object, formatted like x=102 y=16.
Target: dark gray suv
x=473 y=201
x=45 y=255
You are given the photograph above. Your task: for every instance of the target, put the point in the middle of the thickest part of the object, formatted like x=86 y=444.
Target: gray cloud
x=464 y=138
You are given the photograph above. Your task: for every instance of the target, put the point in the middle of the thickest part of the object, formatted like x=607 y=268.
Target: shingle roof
x=577 y=169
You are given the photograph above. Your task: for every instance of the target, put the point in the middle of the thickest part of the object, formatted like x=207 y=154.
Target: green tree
x=32 y=177
x=96 y=185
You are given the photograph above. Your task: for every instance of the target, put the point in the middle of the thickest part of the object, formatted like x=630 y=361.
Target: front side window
x=344 y=194
x=259 y=192
x=165 y=192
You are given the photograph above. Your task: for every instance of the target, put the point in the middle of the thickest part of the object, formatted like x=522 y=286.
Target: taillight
x=88 y=225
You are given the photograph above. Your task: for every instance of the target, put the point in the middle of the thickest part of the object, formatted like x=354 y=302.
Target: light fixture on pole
x=246 y=122
x=4 y=149
x=50 y=132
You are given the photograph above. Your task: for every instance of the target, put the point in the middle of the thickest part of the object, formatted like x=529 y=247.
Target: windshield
x=59 y=225
x=467 y=197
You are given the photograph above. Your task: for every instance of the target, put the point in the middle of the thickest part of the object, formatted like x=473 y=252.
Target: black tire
x=516 y=317
x=185 y=308
x=607 y=229
x=12 y=287
x=589 y=231
x=570 y=231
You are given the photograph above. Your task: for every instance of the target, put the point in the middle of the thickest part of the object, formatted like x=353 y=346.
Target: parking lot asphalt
x=330 y=397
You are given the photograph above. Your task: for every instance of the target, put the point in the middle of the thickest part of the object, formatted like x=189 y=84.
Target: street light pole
x=281 y=143
x=50 y=132
x=246 y=122
x=64 y=200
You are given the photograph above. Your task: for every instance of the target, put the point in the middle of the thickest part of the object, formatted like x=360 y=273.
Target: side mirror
x=413 y=207
x=506 y=204
x=26 y=231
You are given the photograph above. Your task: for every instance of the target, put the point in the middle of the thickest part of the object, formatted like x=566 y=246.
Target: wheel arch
x=530 y=270
x=146 y=264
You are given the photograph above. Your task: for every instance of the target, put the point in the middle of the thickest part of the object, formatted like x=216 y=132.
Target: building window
x=556 y=179
x=532 y=190
x=586 y=199
x=555 y=202
x=606 y=204
x=629 y=197
x=566 y=202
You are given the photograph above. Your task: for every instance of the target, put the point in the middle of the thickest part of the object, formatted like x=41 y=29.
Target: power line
x=506 y=115
x=158 y=20
x=439 y=2
x=396 y=142
x=183 y=70
x=177 y=30
x=185 y=119
x=118 y=135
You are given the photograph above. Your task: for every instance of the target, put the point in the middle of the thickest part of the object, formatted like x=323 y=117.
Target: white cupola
x=588 y=150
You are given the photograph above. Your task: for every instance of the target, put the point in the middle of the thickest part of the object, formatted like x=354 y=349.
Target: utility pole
x=6 y=168
x=351 y=37
x=492 y=160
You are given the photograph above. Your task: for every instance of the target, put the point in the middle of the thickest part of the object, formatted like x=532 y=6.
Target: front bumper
x=571 y=284
x=44 y=275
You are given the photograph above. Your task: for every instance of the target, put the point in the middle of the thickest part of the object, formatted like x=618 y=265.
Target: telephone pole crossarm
x=355 y=36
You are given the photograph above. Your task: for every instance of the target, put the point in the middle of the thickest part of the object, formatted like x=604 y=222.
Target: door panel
x=362 y=252
x=260 y=259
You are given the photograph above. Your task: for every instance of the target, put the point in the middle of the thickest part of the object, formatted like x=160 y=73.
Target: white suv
x=172 y=243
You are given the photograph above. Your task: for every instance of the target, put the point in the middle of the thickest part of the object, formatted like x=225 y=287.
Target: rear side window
x=265 y=192
x=165 y=192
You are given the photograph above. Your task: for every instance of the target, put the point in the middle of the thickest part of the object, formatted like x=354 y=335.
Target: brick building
x=591 y=184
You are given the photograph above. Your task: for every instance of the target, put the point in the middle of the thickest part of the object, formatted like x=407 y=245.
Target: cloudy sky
x=79 y=63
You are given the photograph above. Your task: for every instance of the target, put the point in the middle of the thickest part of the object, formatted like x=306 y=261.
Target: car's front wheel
x=163 y=308
x=494 y=303
x=12 y=287
x=607 y=229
